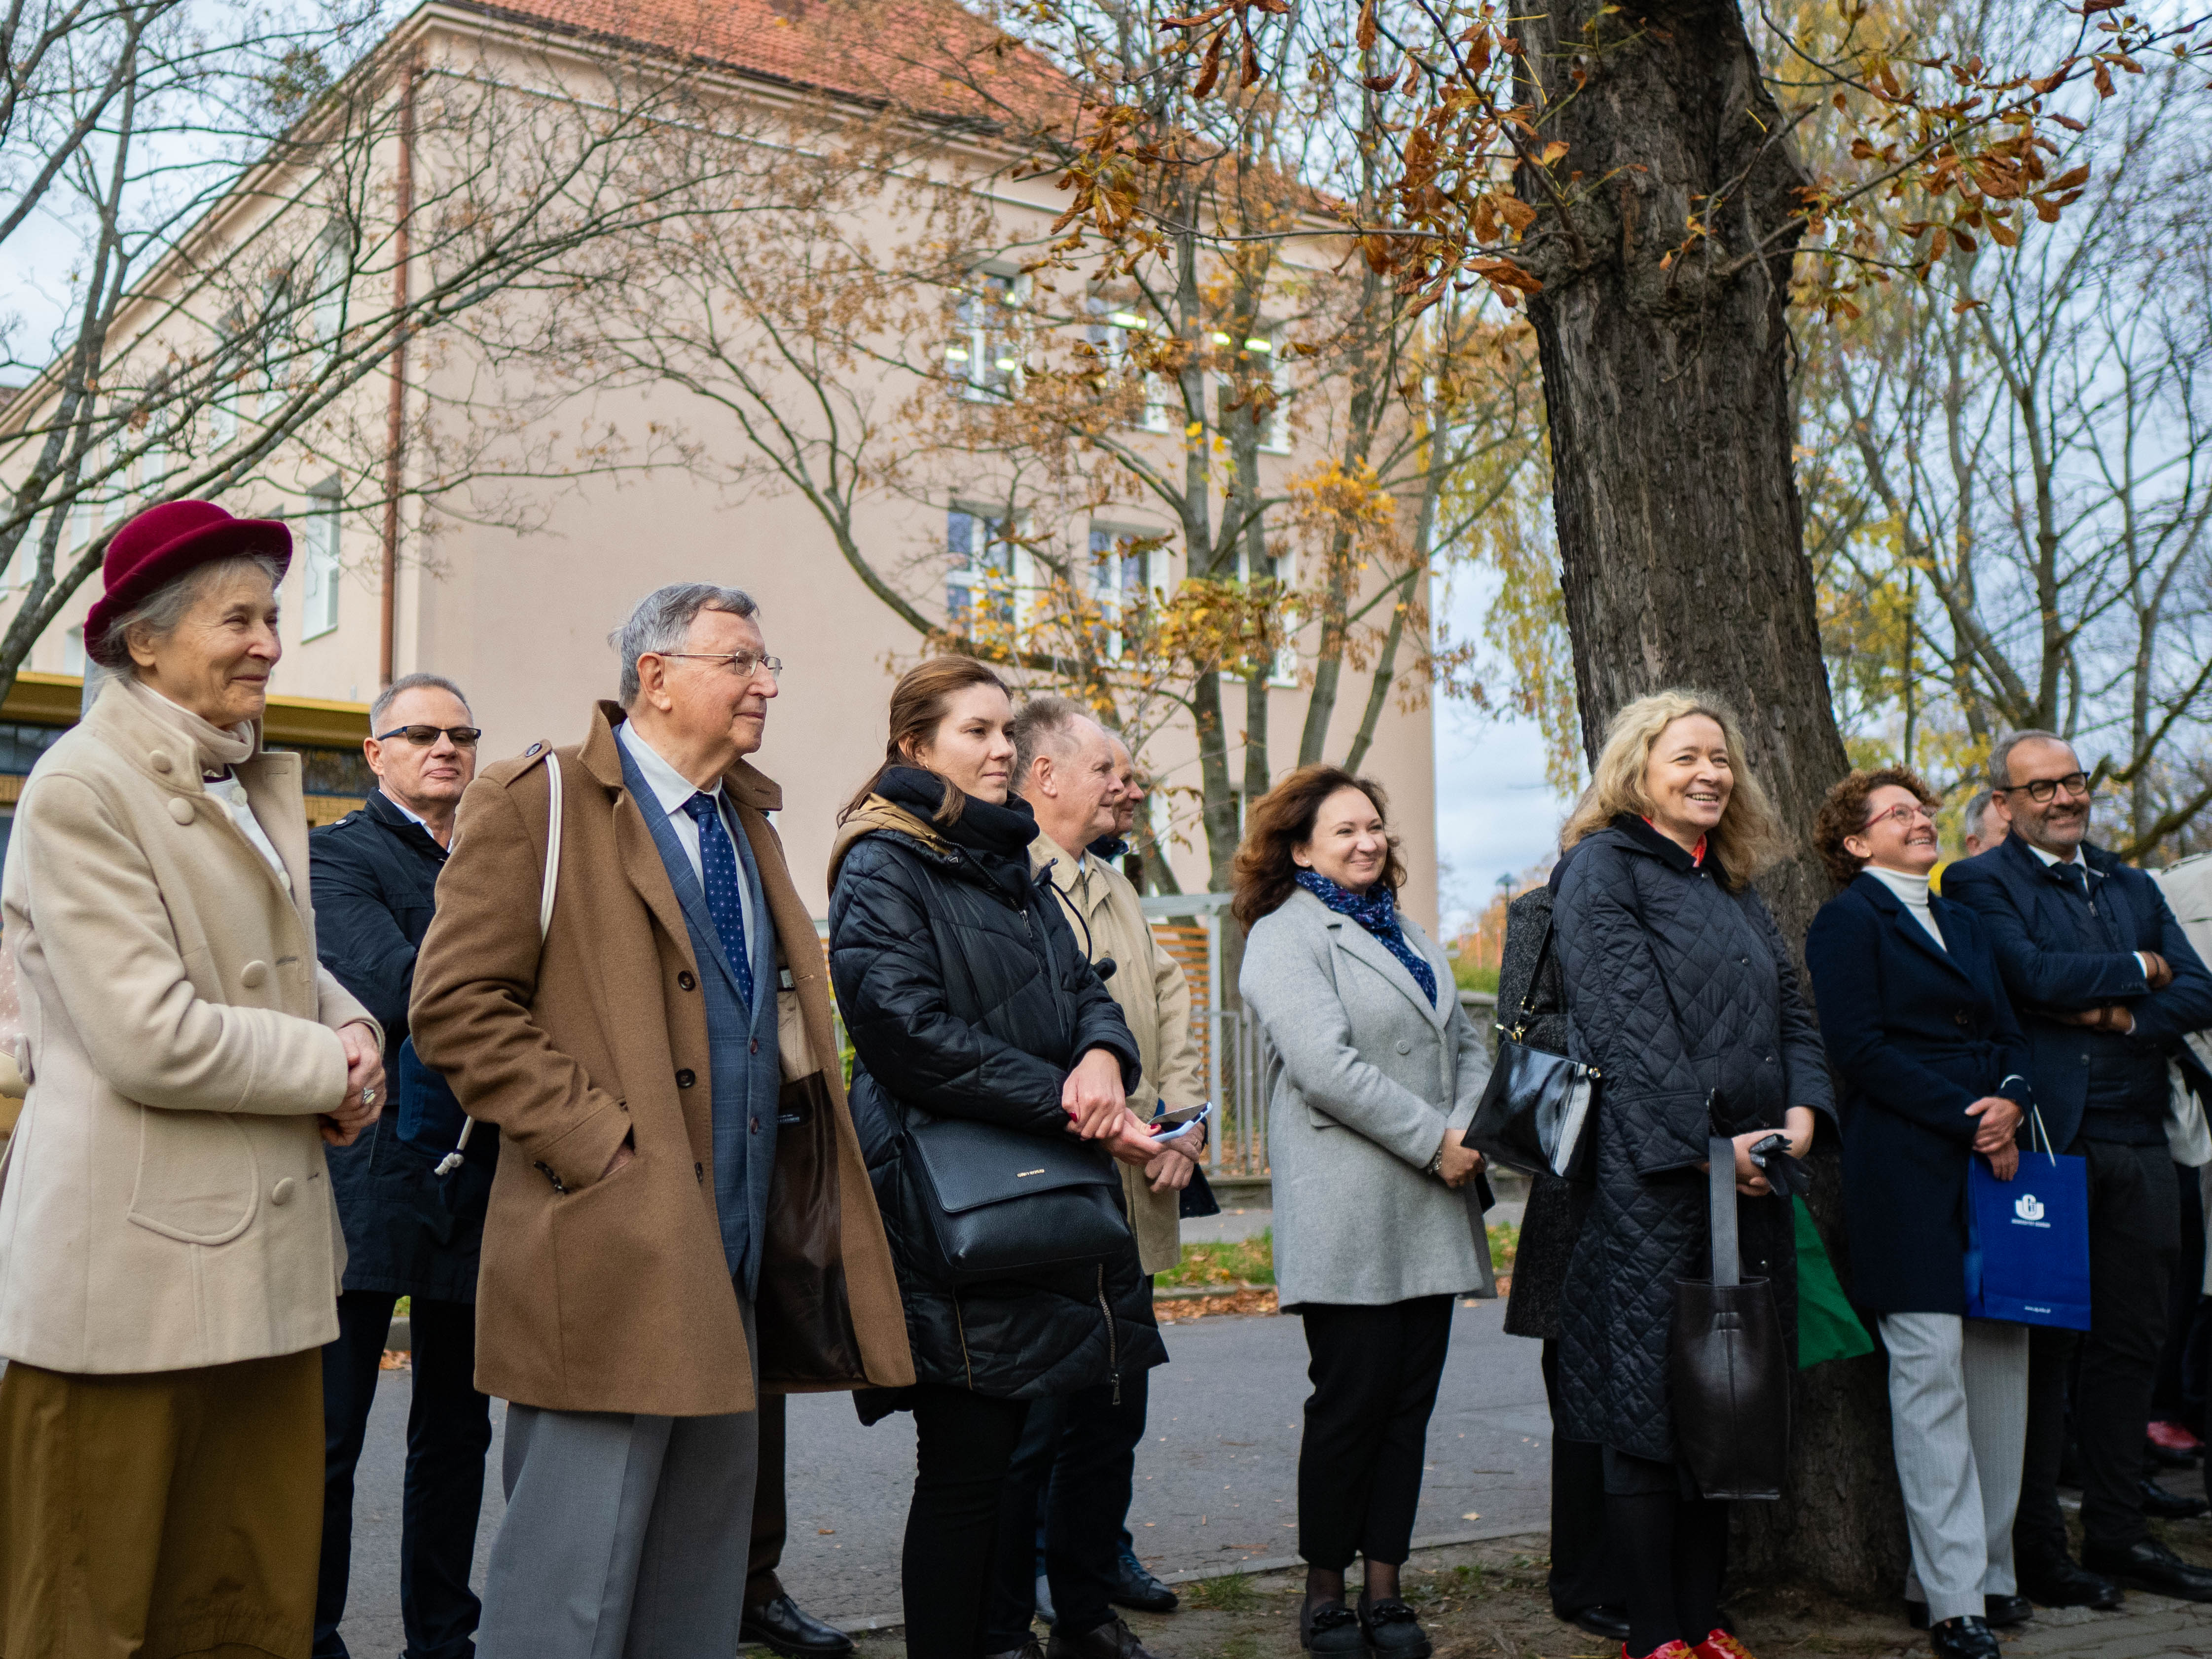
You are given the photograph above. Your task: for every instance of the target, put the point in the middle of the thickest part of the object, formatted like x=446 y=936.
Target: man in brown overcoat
x=681 y=1215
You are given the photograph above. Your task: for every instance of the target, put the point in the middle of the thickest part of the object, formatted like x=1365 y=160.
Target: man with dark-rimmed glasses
x=376 y=876
x=2106 y=983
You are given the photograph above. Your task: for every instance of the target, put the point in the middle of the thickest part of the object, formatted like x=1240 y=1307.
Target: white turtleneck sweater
x=1911 y=892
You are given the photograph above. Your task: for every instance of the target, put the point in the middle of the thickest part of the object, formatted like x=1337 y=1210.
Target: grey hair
x=2001 y=755
x=1976 y=809
x=662 y=621
x=1042 y=723
x=160 y=611
x=385 y=698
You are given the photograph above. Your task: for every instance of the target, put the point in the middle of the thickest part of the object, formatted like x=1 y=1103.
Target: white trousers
x=1958 y=1409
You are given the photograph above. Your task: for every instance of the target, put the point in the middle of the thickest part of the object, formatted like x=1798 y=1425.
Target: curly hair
x=1747 y=838
x=1844 y=814
x=1284 y=818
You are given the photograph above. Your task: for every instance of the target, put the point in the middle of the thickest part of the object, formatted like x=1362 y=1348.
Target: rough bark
x=1681 y=546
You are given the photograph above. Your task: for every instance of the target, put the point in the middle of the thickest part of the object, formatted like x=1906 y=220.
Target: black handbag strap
x=1536 y=978
x=1728 y=1256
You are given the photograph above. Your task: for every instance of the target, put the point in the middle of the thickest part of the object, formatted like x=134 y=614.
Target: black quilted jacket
x=1679 y=992
x=965 y=995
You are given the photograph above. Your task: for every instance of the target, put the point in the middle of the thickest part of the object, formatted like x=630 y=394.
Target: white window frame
x=320 y=568
x=1285 y=672
x=1110 y=333
x=985 y=364
x=986 y=536
x=1275 y=435
x=73 y=654
x=1110 y=570
x=328 y=302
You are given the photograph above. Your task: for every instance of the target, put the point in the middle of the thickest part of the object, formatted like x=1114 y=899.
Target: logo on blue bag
x=2028 y=1207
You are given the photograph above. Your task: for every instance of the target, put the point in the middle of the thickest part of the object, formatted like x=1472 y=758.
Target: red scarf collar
x=1697 y=853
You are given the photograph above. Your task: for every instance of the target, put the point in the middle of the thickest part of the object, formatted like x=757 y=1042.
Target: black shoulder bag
x=1728 y=1368
x=1535 y=1114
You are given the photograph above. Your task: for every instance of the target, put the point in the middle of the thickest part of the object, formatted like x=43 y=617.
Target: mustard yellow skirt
x=161 y=1514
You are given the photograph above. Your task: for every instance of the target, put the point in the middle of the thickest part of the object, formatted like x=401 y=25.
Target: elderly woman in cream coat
x=1374 y=1070
x=170 y=1253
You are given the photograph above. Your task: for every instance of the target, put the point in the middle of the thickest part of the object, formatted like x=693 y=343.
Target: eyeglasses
x=743 y=664
x=2042 y=789
x=1902 y=815
x=463 y=737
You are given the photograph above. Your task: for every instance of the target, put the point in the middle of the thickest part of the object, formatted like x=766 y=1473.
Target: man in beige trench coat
x=681 y=1215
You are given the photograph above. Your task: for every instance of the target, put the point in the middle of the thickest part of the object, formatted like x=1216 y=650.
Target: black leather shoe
x=783 y=1626
x=1963 y=1638
x=2060 y=1583
x=2160 y=1504
x=1393 y=1630
x=1135 y=1587
x=1111 y=1640
x=2149 y=1565
x=2003 y=1611
x=2167 y=1458
x=1332 y=1632
x=1610 y=1622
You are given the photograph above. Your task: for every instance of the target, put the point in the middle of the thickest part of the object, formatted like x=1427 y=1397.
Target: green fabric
x=1826 y=1327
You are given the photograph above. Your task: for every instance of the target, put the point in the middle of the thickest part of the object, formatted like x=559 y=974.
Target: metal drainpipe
x=395 y=420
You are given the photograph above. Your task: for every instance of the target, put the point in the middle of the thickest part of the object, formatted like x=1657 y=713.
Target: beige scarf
x=217 y=746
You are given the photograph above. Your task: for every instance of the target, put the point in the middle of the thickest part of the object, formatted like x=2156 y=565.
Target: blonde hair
x=1747 y=838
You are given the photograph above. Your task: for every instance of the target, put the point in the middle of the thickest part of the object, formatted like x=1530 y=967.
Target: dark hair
x=1844 y=814
x=1283 y=818
x=918 y=703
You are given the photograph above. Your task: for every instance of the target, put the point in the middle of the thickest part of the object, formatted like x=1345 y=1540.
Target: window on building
x=984 y=356
x=979 y=585
x=1284 y=571
x=1267 y=356
x=318 y=537
x=229 y=383
x=1110 y=331
x=1121 y=562
x=330 y=296
x=73 y=649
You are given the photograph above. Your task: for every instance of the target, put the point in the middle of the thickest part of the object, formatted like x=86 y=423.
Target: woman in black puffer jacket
x=967 y=996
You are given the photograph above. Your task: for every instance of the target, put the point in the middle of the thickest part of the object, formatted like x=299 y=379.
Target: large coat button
x=160 y=760
x=281 y=1192
x=685 y=982
x=1405 y=1047
x=686 y=1077
x=253 y=975
x=180 y=810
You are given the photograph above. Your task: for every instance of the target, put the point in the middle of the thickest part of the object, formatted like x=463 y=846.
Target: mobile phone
x=1168 y=1125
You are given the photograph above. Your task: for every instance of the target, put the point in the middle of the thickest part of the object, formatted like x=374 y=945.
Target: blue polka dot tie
x=718 y=863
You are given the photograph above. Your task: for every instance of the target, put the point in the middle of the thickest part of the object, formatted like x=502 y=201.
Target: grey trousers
x=1958 y=1408
x=625 y=1537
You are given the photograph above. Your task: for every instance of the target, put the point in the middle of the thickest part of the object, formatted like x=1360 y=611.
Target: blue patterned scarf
x=1376 y=910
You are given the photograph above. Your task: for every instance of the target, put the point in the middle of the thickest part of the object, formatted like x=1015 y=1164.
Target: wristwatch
x=1435 y=1163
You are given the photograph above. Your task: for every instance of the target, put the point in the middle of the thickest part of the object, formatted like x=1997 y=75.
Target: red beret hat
x=164 y=542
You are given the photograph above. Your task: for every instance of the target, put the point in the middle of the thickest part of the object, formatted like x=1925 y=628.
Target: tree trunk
x=1682 y=554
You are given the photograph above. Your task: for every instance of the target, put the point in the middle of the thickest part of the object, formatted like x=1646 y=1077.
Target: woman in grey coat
x=1373 y=1069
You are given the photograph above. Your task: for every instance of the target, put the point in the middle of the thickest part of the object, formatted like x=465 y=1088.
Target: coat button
x=686 y=1077
x=253 y=975
x=160 y=760
x=754 y=1128
x=1404 y=1047
x=181 y=811
x=281 y=1192
x=1962 y=1018
x=754 y=1047
x=700 y=1171
x=685 y=982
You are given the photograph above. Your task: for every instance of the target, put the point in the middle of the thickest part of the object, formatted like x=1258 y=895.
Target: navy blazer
x=2024 y=907
x=1917 y=1034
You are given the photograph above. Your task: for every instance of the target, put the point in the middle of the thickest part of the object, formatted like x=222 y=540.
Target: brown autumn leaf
x=1553 y=151
x=1515 y=213
x=1210 y=70
x=2102 y=76
x=2072 y=179
x=2002 y=233
x=1251 y=72
x=1365 y=32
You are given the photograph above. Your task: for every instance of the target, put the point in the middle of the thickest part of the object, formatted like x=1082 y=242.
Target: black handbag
x=1003 y=1204
x=1536 y=1111
x=1727 y=1367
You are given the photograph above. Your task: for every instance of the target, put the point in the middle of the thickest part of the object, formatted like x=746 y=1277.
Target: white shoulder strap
x=552 y=847
x=452 y=1161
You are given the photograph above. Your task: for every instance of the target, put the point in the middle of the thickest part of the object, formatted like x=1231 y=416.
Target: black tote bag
x=1727 y=1367
x=1538 y=1108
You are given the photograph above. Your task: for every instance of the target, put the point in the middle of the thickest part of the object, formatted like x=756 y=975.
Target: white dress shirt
x=671 y=788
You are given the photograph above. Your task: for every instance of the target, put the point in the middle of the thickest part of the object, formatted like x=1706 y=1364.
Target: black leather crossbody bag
x=1538 y=1109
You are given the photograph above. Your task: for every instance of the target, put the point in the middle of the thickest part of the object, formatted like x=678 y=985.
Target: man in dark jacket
x=2106 y=983
x=375 y=874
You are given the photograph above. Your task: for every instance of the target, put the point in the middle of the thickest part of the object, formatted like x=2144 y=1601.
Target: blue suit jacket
x=1917 y=1034
x=741 y=1046
x=2048 y=966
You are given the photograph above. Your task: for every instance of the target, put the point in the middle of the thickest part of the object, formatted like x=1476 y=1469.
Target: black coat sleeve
x=890 y=989
x=355 y=935
x=1804 y=1059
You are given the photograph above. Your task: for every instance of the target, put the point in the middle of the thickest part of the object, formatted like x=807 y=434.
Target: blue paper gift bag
x=2027 y=1242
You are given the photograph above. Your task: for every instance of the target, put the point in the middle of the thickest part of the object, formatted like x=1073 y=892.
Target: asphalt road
x=1216 y=1482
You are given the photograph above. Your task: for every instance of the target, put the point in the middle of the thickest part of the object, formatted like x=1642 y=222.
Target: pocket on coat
x=198 y=1181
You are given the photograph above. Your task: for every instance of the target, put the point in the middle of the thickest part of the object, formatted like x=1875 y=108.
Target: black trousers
x=963 y=1442
x=1375 y=1371
x=2179 y=1394
x=448 y=1432
x=1078 y=1453
x=1582 y=1575
x=771 y=1525
x=2134 y=1237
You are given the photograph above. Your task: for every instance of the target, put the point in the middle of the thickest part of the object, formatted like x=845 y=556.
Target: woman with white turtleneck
x=1933 y=1066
